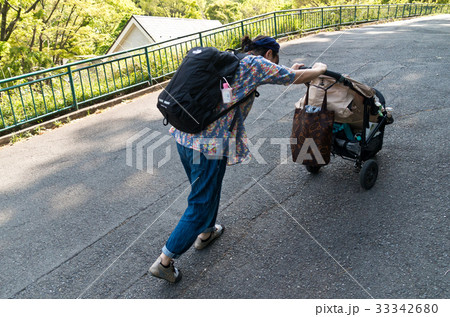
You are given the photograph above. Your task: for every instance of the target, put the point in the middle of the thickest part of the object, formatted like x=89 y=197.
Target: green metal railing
x=39 y=95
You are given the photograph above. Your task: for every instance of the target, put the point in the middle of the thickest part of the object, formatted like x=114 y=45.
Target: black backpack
x=189 y=101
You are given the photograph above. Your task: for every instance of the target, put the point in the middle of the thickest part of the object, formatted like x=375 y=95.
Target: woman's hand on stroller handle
x=320 y=67
x=297 y=66
x=339 y=77
x=306 y=74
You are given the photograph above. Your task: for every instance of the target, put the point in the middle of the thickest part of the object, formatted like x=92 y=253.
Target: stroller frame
x=370 y=144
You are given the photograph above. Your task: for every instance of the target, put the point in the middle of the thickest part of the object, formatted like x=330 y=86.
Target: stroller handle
x=341 y=79
x=335 y=75
x=329 y=73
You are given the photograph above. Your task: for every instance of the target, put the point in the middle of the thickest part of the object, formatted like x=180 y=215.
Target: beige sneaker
x=201 y=244
x=170 y=273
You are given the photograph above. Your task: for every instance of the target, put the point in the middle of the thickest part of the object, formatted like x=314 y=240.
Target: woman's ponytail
x=247 y=44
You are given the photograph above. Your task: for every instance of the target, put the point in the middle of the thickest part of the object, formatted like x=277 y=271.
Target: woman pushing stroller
x=198 y=225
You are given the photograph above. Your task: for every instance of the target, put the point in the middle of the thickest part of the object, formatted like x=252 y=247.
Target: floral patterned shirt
x=216 y=140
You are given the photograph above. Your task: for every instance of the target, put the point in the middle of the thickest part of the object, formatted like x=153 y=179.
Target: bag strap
x=307 y=94
x=324 y=103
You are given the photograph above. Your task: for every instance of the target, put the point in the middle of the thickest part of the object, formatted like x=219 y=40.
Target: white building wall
x=132 y=39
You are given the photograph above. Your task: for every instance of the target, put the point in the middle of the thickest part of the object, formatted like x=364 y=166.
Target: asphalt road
x=77 y=221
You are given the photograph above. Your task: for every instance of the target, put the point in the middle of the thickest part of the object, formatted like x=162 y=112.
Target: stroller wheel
x=368 y=174
x=313 y=169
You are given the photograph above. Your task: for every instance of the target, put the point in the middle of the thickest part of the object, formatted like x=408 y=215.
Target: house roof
x=162 y=28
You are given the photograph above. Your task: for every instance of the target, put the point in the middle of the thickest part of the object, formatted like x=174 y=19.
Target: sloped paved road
x=70 y=205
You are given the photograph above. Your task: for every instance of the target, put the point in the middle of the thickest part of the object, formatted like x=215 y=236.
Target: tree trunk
x=33 y=38
x=4 y=8
x=6 y=29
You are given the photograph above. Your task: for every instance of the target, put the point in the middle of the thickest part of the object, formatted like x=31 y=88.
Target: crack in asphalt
x=392 y=70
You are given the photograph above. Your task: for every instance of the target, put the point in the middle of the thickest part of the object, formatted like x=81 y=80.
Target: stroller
x=360 y=116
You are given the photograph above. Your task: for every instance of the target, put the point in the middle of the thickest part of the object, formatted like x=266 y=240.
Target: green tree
x=171 y=8
x=252 y=8
x=11 y=13
x=54 y=31
x=225 y=11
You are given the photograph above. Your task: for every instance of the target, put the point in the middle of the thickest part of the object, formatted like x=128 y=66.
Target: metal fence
x=36 y=96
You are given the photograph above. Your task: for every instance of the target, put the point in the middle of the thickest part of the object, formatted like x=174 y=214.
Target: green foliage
x=16 y=138
x=38 y=130
x=36 y=35
x=20 y=137
x=256 y=7
x=171 y=8
x=225 y=11
x=33 y=97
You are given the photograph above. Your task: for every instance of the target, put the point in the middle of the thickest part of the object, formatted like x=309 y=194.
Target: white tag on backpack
x=227 y=93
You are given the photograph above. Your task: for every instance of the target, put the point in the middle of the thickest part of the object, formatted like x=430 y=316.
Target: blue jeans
x=205 y=175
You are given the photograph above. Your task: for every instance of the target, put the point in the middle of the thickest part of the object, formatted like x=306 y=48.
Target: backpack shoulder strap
x=254 y=92
x=239 y=54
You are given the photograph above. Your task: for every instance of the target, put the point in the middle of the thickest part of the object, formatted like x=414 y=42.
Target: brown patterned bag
x=313 y=132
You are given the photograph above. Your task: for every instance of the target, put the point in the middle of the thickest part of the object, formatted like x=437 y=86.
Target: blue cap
x=269 y=43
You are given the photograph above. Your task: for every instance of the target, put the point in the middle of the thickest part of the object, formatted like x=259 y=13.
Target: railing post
x=148 y=66
x=403 y=11
x=242 y=28
x=275 y=24
x=200 y=36
x=354 y=18
x=368 y=13
x=1 y=115
x=72 y=88
x=396 y=10
x=379 y=8
x=322 y=16
x=340 y=15
x=301 y=20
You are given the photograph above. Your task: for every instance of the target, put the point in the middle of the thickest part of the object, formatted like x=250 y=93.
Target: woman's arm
x=306 y=75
